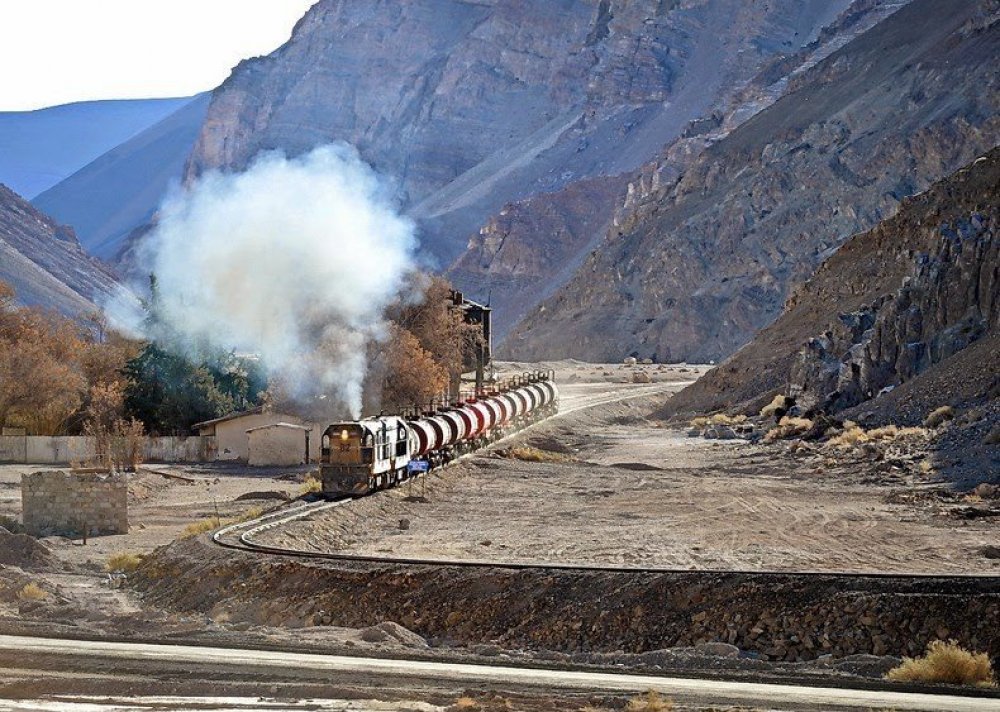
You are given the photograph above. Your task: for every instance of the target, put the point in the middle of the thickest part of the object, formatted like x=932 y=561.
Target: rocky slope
x=562 y=227
x=120 y=190
x=889 y=305
x=44 y=261
x=470 y=105
x=698 y=263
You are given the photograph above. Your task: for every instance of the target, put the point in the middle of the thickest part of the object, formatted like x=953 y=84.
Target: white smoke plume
x=293 y=259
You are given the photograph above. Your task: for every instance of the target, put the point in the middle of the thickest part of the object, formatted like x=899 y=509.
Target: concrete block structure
x=56 y=502
x=231 y=432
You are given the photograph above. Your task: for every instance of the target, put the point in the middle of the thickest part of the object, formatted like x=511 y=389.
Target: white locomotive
x=374 y=453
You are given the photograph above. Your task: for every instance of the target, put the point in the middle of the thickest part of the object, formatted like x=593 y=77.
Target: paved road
x=680 y=689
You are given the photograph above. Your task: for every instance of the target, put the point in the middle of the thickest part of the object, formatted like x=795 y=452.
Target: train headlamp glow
x=343 y=434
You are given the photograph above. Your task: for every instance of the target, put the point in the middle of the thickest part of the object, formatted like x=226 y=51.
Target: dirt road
x=73 y=654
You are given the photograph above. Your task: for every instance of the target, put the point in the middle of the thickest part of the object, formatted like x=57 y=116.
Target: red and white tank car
x=374 y=453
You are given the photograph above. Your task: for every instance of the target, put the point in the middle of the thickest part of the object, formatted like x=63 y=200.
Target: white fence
x=61 y=450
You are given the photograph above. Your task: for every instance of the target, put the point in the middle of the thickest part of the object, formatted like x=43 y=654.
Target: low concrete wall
x=61 y=450
x=55 y=502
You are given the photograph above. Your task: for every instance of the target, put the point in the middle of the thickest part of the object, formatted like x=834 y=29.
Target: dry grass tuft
x=939 y=416
x=311 y=484
x=723 y=419
x=946 y=662
x=534 y=454
x=788 y=427
x=201 y=526
x=32 y=592
x=649 y=702
x=700 y=422
x=211 y=523
x=124 y=561
x=465 y=703
x=771 y=408
x=853 y=435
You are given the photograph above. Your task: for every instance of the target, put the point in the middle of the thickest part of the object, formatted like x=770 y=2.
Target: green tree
x=169 y=394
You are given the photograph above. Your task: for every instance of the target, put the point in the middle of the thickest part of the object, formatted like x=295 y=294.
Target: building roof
x=228 y=416
x=279 y=425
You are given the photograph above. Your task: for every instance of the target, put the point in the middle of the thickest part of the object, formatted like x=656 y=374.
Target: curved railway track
x=244 y=535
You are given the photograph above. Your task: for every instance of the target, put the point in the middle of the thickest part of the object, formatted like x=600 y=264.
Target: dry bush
x=528 y=453
x=311 y=484
x=853 y=435
x=32 y=592
x=465 y=703
x=946 y=662
x=201 y=526
x=123 y=561
x=723 y=419
x=117 y=442
x=778 y=403
x=652 y=701
x=938 y=416
x=788 y=427
x=700 y=422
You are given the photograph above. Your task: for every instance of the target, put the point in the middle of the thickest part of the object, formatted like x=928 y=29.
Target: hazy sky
x=58 y=51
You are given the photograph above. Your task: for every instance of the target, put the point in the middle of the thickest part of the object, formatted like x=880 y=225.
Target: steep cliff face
x=892 y=306
x=698 y=263
x=45 y=263
x=471 y=105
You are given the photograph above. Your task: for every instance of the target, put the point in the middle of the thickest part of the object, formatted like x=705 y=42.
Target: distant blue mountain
x=40 y=148
x=121 y=189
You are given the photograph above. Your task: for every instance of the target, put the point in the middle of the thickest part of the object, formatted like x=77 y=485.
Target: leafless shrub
x=788 y=427
x=124 y=561
x=938 y=416
x=651 y=701
x=32 y=592
x=946 y=662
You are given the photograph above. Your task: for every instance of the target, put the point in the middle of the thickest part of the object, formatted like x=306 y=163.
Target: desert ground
x=601 y=483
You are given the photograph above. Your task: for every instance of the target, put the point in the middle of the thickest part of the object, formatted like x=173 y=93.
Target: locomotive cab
x=363 y=456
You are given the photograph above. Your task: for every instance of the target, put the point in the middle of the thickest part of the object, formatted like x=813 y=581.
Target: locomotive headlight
x=343 y=434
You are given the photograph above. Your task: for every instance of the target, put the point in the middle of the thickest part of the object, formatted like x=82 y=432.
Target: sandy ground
x=635 y=494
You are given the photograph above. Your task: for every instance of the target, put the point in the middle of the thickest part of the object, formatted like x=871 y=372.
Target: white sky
x=59 y=51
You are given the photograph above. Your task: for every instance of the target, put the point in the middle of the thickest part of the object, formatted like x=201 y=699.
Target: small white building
x=278 y=444
x=231 y=432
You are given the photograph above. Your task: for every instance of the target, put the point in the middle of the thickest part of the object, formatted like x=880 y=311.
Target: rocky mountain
x=704 y=252
x=120 y=190
x=45 y=262
x=502 y=260
x=889 y=307
x=470 y=106
x=40 y=148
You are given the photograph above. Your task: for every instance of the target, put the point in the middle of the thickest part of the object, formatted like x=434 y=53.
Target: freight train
x=363 y=456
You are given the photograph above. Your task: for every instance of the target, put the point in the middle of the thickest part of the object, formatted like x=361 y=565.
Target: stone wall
x=56 y=502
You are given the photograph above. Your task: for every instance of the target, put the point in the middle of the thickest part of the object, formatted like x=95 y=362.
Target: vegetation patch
x=651 y=701
x=853 y=435
x=939 y=416
x=32 y=592
x=788 y=427
x=212 y=523
x=123 y=561
x=946 y=662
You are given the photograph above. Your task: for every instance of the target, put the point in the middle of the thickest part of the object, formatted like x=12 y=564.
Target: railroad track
x=245 y=535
